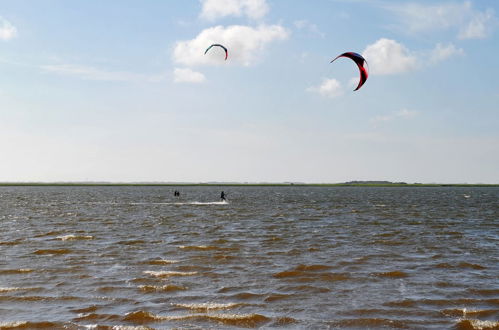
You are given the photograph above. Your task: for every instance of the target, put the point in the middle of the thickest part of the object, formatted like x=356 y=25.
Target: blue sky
x=122 y=91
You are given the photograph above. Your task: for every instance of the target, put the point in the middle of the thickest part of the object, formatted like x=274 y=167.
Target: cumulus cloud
x=442 y=52
x=469 y=22
x=213 y=9
x=400 y=114
x=187 y=76
x=329 y=87
x=91 y=73
x=387 y=56
x=244 y=43
x=7 y=30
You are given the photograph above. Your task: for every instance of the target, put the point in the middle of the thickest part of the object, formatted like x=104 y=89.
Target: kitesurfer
x=222 y=196
x=218 y=45
x=361 y=64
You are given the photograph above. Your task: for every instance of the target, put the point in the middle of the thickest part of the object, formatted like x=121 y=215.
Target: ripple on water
x=160 y=262
x=30 y=325
x=279 y=296
x=297 y=275
x=98 y=317
x=467 y=312
x=161 y=288
x=392 y=274
x=52 y=251
x=207 y=307
x=251 y=320
x=15 y=271
x=14 y=289
x=370 y=323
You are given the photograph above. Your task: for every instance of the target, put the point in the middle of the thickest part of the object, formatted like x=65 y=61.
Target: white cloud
x=91 y=73
x=7 y=30
x=308 y=26
x=329 y=87
x=213 y=9
x=479 y=26
x=387 y=56
x=469 y=22
x=400 y=114
x=244 y=43
x=442 y=52
x=188 y=76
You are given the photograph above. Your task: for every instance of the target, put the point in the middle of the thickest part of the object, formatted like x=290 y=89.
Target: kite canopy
x=361 y=63
x=218 y=45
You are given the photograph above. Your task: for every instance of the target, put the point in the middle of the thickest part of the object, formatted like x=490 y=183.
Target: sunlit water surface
x=272 y=257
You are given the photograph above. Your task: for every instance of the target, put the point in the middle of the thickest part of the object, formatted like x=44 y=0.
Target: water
x=272 y=257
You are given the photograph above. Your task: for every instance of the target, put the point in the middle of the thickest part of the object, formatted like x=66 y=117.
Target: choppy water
x=288 y=257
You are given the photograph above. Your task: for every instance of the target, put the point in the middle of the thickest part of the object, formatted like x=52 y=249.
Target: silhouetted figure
x=222 y=196
x=176 y=193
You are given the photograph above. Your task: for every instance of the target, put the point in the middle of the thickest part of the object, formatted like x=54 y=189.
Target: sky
x=121 y=91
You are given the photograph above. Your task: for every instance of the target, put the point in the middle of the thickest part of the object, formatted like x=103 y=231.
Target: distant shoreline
x=145 y=184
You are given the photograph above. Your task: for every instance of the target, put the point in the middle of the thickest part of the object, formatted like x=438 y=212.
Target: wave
x=198 y=247
x=15 y=271
x=163 y=288
x=465 y=312
x=476 y=325
x=160 y=262
x=132 y=242
x=89 y=309
x=52 y=251
x=71 y=237
x=246 y=296
x=368 y=323
x=206 y=307
x=50 y=233
x=312 y=268
x=192 y=268
x=465 y=265
x=461 y=301
x=485 y=292
x=38 y=298
x=307 y=288
x=394 y=274
x=10 y=243
x=278 y=296
x=5 y=290
x=167 y=273
x=302 y=276
x=115 y=327
x=401 y=303
x=30 y=325
x=240 y=320
x=98 y=317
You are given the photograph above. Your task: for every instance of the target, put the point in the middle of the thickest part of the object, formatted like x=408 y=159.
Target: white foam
x=199 y=203
x=73 y=237
x=208 y=306
x=9 y=289
x=168 y=273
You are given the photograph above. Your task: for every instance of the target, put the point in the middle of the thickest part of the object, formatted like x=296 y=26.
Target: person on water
x=222 y=196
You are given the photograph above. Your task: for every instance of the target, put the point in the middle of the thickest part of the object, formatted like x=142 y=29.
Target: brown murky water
x=272 y=257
